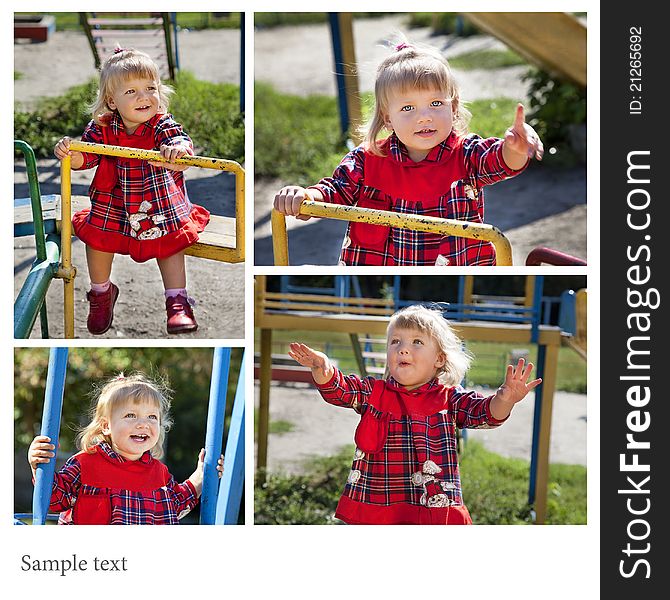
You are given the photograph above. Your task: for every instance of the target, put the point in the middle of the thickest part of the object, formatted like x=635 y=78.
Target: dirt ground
x=320 y=429
x=542 y=207
x=218 y=288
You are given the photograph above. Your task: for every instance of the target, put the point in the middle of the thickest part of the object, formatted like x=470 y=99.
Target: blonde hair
x=118 y=68
x=431 y=322
x=135 y=388
x=412 y=67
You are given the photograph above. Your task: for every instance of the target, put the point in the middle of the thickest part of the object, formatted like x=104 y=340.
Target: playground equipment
x=222 y=240
x=220 y=500
x=554 y=41
x=466 y=229
x=363 y=316
x=155 y=34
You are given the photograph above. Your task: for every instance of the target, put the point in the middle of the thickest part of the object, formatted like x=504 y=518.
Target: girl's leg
x=99 y=265
x=103 y=294
x=180 y=318
x=173 y=271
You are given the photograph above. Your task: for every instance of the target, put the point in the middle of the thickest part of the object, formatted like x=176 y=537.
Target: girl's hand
x=62 y=149
x=41 y=450
x=172 y=153
x=521 y=142
x=288 y=201
x=198 y=475
x=318 y=362
x=513 y=390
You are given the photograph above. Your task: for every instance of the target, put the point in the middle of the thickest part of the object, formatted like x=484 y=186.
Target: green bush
x=556 y=107
x=296 y=139
x=495 y=490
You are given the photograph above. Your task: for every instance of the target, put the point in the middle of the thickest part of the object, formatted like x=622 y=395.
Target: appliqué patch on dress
x=359 y=454
x=433 y=489
x=354 y=476
x=142 y=225
x=441 y=261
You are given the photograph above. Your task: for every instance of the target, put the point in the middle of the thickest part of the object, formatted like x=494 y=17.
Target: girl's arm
x=513 y=390
x=334 y=387
x=173 y=143
x=67 y=481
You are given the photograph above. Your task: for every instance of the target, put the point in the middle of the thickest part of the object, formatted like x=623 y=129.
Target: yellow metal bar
x=239 y=214
x=66 y=272
x=350 y=75
x=548 y=387
x=446 y=227
x=388 y=302
x=303 y=306
x=529 y=291
x=194 y=161
x=279 y=238
x=265 y=377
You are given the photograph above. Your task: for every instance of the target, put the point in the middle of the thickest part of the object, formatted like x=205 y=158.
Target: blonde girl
x=427 y=166
x=138 y=208
x=405 y=468
x=117 y=477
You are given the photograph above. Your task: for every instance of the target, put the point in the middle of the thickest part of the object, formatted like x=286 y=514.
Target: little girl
x=405 y=468
x=138 y=208
x=117 y=478
x=427 y=166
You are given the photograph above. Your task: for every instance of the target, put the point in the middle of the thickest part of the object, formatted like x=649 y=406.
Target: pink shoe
x=101 y=309
x=180 y=317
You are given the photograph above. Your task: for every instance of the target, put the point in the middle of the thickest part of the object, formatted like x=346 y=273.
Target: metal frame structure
x=452 y=227
x=55 y=259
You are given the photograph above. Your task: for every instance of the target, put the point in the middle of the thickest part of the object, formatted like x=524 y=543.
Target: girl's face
x=133 y=428
x=413 y=357
x=420 y=118
x=137 y=99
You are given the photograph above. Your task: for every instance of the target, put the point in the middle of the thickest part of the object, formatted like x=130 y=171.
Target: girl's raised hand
x=318 y=362
x=522 y=139
x=288 y=201
x=516 y=385
x=41 y=450
x=62 y=149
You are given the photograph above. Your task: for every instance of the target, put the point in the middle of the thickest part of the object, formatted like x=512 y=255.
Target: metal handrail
x=452 y=227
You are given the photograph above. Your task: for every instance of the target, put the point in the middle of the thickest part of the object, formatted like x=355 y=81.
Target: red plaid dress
x=138 y=209
x=448 y=184
x=103 y=488
x=405 y=468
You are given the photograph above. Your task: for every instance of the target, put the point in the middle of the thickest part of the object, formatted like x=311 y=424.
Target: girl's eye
x=154 y=417
x=418 y=341
x=131 y=91
x=394 y=342
x=406 y=108
x=130 y=416
x=436 y=103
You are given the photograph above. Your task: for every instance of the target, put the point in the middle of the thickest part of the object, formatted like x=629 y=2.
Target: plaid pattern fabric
x=161 y=506
x=418 y=463
x=154 y=197
x=448 y=184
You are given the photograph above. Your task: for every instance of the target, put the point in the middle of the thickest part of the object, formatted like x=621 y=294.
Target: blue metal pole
x=232 y=483
x=537 y=305
x=338 y=56
x=51 y=414
x=541 y=363
x=216 y=413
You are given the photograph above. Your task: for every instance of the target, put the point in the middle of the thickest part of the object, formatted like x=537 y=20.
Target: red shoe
x=180 y=317
x=101 y=309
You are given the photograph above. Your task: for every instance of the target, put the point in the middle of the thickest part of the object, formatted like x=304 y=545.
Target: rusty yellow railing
x=67 y=272
x=452 y=227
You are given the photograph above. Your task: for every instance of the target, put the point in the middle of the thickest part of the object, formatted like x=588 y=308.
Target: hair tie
x=402 y=46
x=119 y=49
